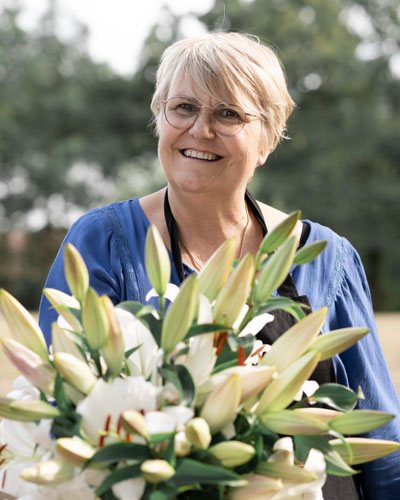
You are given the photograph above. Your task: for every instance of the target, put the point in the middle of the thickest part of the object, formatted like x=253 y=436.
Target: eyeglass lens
x=182 y=112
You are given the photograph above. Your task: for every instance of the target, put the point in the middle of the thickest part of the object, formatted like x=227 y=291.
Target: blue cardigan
x=111 y=241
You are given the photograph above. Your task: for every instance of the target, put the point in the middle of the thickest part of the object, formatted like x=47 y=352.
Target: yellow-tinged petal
x=281 y=391
x=158 y=265
x=233 y=295
x=232 y=453
x=94 y=319
x=133 y=422
x=34 y=409
x=285 y=472
x=360 y=421
x=75 y=372
x=222 y=404
x=363 y=449
x=180 y=314
x=48 y=473
x=258 y=487
x=216 y=271
x=30 y=364
x=23 y=328
x=113 y=350
x=75 y=450
x=295 y=342
x=323 y=414
x=62 y=302
x=275 y=271
x=76 y=272
x=280 y=233
x=156 y=471
x=337 y=341
x=290 y=423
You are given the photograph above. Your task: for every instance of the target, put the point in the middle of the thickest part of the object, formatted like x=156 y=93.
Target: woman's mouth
x=200 y=155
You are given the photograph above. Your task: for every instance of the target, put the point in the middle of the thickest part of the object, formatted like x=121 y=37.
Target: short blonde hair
x=236 y=65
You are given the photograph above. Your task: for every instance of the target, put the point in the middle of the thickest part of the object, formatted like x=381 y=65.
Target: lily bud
x=133 y=422
x=275 y=271
x=198 y=433
x=216 y=271
x=22 y=326
x=322 y=414
x=257 y=488
x=290 y=423
x=63 y=303
x=75 y=450
x=233 y=295
x=337 y=341
x=62 y=342
x=281 y=391
x=285 y=471
x=158 y=265
x=295 y=341
x=363 y=449
x=221 y=406
x=75 y=372
x=280 y=233
x=113 y=350
x=30 y=365
x=182 y=447
x=180 y=314
x=232 y=453
x=156 y=471
x=48 y=473
x=360 y=421
x=30 y=411
x=76 y=272
x=95 y=321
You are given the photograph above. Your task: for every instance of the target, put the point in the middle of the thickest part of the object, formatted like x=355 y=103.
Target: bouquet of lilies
x=180 y=401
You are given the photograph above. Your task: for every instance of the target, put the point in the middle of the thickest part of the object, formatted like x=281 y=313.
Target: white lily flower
x=108 y=401
x=255 y=325
x=205 y=310
x=259 y=349
x=170 y=293
x=145 y=359
x=131 y=489
x=240 y=316
x=308 y=388
x=170 y=419
x=201 y=357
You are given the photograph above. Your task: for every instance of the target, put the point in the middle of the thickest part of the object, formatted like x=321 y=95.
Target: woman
x=220 y=108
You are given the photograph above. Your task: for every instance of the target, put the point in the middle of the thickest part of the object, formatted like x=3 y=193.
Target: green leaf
x=335 y=465
x=360 y=421
x=296 y=309
x=67 y=425
x=309 y=252
x=59 y=393
x=154 y=325
x=205 y=328
x=336 y=396
x=117 y=475
x=161 y=437
x=180 y=377
x=134 y=307
x=131 y=351
x=120 y=451
x=145 y=315
x=169 y=453
x=277 y=236
x=190 y=471
x=164 y=492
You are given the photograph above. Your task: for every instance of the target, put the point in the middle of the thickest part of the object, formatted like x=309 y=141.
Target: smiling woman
x=220 y=108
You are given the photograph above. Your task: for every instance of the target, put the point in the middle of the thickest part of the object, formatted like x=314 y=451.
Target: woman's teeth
x=191 y=153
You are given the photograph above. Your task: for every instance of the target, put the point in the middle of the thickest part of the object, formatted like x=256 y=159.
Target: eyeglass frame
x=164 y=102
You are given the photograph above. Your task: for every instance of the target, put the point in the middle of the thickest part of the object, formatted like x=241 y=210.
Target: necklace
x=197 y=264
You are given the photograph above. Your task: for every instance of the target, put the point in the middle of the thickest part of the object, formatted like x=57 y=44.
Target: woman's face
x=234 y=159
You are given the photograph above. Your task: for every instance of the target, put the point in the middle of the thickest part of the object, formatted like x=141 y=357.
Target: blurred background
x=76 y=80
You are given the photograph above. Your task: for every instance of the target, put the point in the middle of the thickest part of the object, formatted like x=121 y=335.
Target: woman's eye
x=186 y=107
x=228 y=114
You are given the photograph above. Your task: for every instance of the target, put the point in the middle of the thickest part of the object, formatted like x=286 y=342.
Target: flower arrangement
x=134 y=402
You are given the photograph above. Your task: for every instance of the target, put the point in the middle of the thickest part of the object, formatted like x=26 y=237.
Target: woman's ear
x=262 y=156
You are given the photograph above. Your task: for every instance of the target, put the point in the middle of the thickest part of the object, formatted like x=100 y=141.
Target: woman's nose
x=203 y=126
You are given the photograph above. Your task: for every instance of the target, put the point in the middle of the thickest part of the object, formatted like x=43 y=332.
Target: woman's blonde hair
x=235 y=65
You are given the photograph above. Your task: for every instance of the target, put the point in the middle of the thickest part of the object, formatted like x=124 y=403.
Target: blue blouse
x=111 y=241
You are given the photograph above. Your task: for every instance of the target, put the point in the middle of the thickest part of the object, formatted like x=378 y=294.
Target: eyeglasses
x=227 y=119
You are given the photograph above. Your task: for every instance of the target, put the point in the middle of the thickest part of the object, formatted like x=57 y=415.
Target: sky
x=117 y=28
